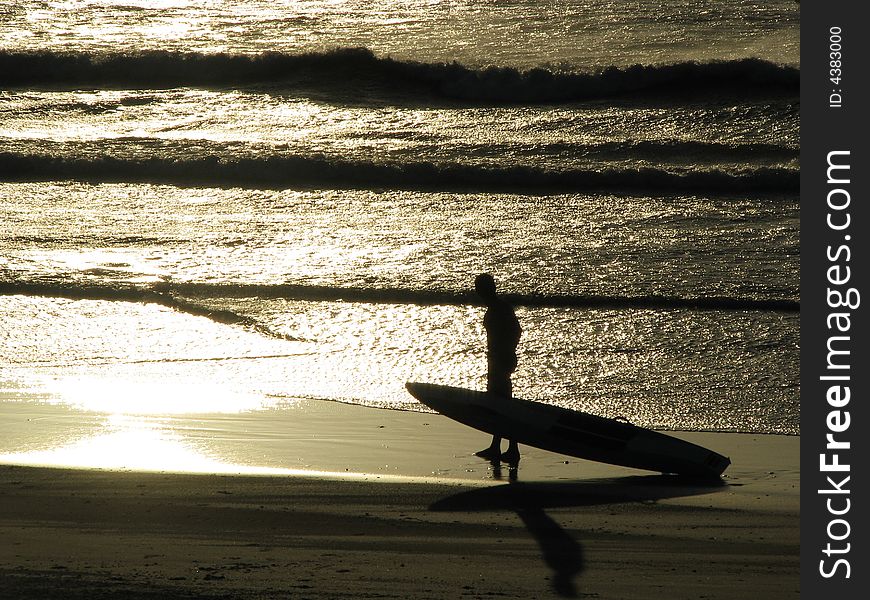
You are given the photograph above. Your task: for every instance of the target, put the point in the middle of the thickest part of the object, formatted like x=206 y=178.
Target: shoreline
x=310 y=436
x=559 y=530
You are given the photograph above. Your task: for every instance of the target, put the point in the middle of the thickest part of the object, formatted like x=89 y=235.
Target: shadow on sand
x=560 y=551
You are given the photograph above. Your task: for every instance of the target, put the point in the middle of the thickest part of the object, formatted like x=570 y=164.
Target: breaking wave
x=359 y=70
x=333 y=173
x=192 y=297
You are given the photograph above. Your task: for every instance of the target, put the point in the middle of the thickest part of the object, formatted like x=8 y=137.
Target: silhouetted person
x=502 y=336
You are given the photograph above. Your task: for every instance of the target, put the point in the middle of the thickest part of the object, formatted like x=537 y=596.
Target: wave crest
x=185 y=296
x=346 y=69
x=332 y=173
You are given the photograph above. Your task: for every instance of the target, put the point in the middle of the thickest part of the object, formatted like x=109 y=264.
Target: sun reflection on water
x=135 y=443
x=169 y=397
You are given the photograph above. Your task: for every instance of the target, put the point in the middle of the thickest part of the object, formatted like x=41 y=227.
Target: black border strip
x=833 y=119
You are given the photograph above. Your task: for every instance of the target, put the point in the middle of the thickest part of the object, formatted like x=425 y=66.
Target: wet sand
x=409 y=529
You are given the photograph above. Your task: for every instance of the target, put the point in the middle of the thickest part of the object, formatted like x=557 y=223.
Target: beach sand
x=394 y=505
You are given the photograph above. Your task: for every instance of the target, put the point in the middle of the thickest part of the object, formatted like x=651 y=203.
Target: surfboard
x=571 y=432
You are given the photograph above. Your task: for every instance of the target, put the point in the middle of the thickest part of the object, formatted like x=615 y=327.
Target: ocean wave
x=358 y=71
x=446 y=297
x=424 y=145
x=192 y=297
x=137 y=294
x=331 y=173
x=693 y=150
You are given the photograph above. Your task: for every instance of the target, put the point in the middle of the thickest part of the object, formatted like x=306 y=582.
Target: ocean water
x=215 y=209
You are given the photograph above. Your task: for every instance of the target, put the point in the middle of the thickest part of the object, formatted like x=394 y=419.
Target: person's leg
x=494 y=450
x=512 y=456
x=494 y=385
x=502 y=385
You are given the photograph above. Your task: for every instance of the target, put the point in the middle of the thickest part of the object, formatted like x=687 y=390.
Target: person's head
x=484 y=285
